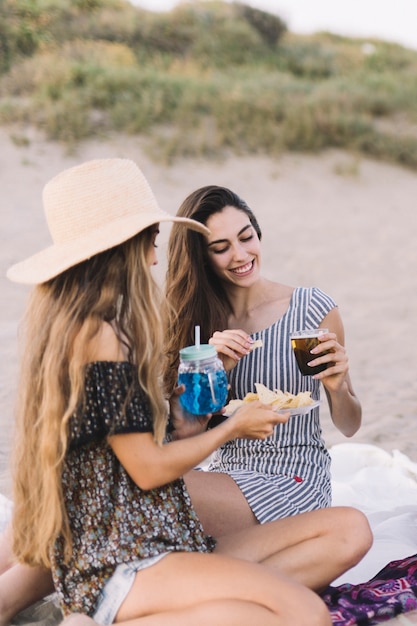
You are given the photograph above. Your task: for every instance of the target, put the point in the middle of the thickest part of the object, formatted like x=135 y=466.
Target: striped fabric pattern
x=289 y=472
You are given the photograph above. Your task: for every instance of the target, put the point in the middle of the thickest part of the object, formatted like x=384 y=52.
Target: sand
x=335 y=220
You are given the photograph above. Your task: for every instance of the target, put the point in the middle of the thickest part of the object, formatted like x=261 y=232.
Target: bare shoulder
x=277 y=297
x=271 y=302
x=279 y=291
x=105 y=345
x=333 y=318
x=333 y=321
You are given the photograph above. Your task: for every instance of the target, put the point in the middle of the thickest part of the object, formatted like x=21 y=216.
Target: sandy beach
x=336 y=221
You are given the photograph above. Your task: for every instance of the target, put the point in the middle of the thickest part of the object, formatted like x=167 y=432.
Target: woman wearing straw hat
x=98 y=493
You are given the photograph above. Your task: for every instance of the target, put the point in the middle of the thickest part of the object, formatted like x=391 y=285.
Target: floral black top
x=112 y=520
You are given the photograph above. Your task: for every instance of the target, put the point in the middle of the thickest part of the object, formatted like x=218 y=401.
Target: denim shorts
x=118 y=586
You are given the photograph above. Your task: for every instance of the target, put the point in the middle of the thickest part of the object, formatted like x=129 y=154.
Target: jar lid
x=196 y=353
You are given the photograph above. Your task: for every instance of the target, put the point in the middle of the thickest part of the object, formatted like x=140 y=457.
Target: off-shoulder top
x=112 y=520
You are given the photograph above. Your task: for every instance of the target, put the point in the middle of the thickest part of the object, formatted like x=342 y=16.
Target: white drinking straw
x=197 y=336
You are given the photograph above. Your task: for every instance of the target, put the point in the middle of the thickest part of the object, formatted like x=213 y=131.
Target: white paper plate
x=300 y=410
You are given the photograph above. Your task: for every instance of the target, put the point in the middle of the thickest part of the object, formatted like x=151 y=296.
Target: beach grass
x=204 y=79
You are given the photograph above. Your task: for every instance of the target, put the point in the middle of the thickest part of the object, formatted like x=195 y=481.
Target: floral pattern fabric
x=391 y=592
x=112 y=520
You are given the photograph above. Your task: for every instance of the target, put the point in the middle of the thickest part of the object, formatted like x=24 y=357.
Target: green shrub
x=270 y=27
x=23 y=28
x=206 y=78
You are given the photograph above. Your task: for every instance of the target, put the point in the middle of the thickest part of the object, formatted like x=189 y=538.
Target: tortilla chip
x=281 y=399
x=265 y=395
x=276 y=398
x=256 y=344
x=250 y=397
x=233 y=406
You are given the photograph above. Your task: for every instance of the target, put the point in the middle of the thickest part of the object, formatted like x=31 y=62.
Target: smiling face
x=233 y=249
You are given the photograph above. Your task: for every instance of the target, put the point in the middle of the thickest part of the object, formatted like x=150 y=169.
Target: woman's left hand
x=345 y=408
x=185 y=424
x=330 y=351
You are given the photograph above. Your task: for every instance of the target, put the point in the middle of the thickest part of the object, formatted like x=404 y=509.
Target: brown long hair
x=193 y=291
x=62 y=315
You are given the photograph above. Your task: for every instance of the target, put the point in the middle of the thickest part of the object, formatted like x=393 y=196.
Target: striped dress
x=289 y=472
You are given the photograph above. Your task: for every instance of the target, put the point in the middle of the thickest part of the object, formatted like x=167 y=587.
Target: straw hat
x=91 y=208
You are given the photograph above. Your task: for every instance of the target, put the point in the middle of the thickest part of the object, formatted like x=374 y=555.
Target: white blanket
x=384 y=487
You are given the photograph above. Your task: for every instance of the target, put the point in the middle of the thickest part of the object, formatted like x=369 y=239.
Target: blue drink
x=204 y=393
x=203 y=375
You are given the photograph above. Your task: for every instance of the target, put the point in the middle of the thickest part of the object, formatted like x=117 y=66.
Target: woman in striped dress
x=216 y=282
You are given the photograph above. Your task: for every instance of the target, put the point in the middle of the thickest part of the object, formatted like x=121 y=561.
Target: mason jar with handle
x=204 y=377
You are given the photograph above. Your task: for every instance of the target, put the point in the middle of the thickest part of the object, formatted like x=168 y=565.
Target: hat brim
x=55 y=259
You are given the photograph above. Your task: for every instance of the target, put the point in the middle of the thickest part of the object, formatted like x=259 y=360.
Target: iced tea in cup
x=302 y=342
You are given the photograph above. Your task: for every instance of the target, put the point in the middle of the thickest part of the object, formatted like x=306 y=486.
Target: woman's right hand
x=150 y=465
x=231 y=346
x=254 y=420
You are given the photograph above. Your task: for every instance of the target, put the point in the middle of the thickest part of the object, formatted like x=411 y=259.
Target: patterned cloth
x=289 y=472
x=112 y=520
x=391 y=592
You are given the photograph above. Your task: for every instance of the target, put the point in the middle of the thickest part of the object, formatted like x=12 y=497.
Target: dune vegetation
x=204 y=79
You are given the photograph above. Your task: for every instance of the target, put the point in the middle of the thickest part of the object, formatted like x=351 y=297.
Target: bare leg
x=220 y=613
x=294 y=545
x=185 y=589
x=20 y=587
x=312 y=548
x=6 y=554
x=78 y=619
x=227 y=613
x=219 y=503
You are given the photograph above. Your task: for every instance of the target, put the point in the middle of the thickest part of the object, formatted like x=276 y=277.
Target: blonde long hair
x=115 y=286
